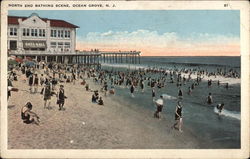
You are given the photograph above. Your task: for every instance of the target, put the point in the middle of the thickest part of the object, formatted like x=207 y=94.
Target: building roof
x=53 y=22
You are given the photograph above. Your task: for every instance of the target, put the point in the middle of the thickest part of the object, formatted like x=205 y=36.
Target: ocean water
x=210 y=129
x=209 y=61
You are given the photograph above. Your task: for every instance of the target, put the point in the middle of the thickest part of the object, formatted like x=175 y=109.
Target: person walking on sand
x=9 y=88
x=159 y=105
x=36 y=81
x=31 y=81
x=178 y=117
x=105 y=87
x=61 y=97
x=47 y=92
x=42 y=79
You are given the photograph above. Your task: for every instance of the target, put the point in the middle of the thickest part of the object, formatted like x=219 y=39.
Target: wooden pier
x=131 y=57
x=84 y=57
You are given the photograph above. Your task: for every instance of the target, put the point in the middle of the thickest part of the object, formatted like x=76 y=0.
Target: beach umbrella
x=28 y=58
x=12 y=62
x=30 y=63
x=19 y=60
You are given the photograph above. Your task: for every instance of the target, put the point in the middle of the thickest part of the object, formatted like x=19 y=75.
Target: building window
x=65 y=33
x=58 y=33
x=24 y=32
x=32 y=32
x=35 y=32
x=40 y=32
x=68 y=34
x=54 y=33
x=13 y=31
x=60 y=43
x=67 y=45
x=28 y=32
x=60 y=46
x=53 y=44
x=13 y=45
x=62 y=33
x=43 y=32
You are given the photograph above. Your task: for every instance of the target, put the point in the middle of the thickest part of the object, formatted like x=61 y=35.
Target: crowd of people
x=44 y=78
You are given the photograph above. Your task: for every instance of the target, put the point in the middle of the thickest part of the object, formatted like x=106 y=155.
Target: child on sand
x=95 y=97
x=100 y=101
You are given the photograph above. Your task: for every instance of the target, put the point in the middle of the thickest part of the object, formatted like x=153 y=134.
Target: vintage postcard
x=124 y=79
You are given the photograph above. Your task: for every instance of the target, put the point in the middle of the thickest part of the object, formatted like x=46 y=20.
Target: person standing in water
x=153 y=93
x=209 y=98
x=132 y=89
x=159 y=105
x=178 y=117
x=220 y=107
x=180 y=93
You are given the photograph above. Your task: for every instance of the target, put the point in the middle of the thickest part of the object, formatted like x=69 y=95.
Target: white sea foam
x=166 y=96
x=222 y=79
x=227 y=113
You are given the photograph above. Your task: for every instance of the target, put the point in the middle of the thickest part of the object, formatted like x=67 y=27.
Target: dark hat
x=29 y=105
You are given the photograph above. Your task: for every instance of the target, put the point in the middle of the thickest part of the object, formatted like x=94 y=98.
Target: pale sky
x=154 y=32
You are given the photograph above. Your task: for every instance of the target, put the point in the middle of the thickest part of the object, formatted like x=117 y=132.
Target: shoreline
x=123 y=122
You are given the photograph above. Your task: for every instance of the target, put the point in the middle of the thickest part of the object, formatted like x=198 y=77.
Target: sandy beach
x=85 y=125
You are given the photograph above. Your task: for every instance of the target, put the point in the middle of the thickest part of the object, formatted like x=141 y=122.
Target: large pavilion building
x=55 y=40
x=36 y=37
